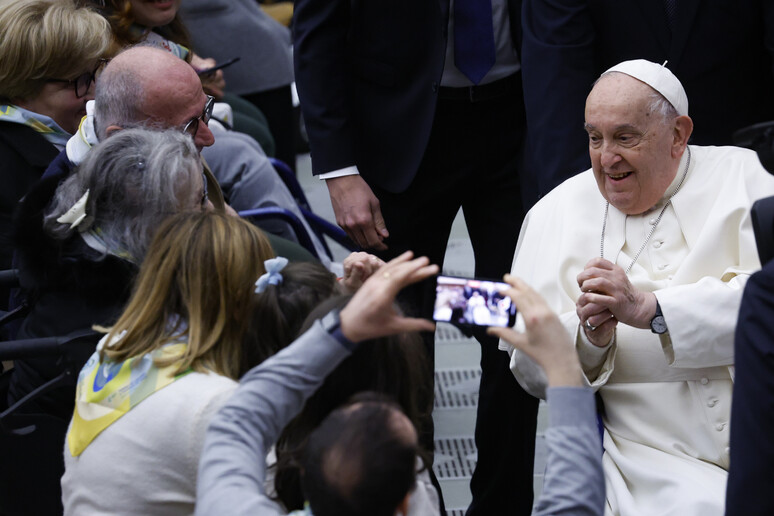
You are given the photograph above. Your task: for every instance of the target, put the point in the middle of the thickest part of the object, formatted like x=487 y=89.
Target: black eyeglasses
x=205 y=196
x=82 y=83
x=193 y=125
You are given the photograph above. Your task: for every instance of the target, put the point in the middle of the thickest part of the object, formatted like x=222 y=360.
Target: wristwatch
x=332 y=324
x=658 y=324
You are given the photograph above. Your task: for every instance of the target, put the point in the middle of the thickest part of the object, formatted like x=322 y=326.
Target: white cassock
x=667 y=399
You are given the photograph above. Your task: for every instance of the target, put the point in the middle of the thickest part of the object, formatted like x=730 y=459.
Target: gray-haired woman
x=125 y=188
x=79 y=253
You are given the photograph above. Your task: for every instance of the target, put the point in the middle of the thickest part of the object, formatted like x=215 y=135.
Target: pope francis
x=645 y=257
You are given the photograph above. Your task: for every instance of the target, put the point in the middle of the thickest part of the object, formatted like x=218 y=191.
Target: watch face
x=658 y=324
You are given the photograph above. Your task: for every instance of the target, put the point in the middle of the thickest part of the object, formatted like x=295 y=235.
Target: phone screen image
x=472 y=302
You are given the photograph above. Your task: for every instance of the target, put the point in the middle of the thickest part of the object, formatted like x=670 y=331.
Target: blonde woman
x=144 y=399
x=50 y=51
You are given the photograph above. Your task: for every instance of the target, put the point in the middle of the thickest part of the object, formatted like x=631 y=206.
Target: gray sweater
x=232 y=468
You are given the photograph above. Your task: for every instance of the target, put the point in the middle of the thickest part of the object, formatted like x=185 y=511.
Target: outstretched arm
x=232 y=468
x=574 y=482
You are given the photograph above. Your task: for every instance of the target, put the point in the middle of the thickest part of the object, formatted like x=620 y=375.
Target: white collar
x=82 y=141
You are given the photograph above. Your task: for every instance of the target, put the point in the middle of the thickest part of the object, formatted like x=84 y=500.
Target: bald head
x=149 y=86
x=150 y=65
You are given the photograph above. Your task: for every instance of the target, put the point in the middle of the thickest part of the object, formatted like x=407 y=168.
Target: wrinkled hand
x=608 y=297
x=546 y=341
x=358 y=267
x=212 y=83
x=371 y=314
x=357 y=211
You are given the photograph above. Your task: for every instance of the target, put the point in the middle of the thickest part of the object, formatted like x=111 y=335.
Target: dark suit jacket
x=721 y=52
x=368 y=73
x=752 y=411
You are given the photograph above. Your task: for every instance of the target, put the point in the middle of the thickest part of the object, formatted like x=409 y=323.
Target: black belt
x=491 y=90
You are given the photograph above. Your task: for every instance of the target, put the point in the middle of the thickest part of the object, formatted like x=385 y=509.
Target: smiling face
x=635 y=153
x=59 y=101
x=154 y=13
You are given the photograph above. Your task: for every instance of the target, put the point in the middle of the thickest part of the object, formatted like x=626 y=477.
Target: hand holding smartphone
x=220 y=66
x=473 y=302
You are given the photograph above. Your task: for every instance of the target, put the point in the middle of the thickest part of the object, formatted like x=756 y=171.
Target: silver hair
x=135 y=179
x=118 y=96
x=657 y=103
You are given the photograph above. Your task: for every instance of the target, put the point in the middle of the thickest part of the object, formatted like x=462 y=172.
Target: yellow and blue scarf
x=108 y=390
x=42 y=124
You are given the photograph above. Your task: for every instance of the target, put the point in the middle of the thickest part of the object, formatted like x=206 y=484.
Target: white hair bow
x=272 y=276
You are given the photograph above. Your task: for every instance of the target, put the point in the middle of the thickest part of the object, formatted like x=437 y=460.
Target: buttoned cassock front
x=667 y=398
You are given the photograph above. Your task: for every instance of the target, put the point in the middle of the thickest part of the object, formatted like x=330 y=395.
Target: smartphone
x=472 y=302
x=224 y=64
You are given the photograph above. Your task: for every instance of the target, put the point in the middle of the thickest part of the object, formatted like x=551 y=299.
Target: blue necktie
x=474 y=48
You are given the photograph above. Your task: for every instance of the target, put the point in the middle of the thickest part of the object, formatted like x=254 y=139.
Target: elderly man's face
x=631 y=149
x=177 y=100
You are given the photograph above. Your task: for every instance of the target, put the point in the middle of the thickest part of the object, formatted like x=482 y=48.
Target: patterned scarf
x=155 y=39
x=108 y=390
x=43 y=125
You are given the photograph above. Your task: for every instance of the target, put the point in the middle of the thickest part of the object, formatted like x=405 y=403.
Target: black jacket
x=368 y=73
x=752 y=409
x=24 y=156
x=70 y=286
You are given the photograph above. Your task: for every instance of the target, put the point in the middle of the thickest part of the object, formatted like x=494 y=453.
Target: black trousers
x=473 y=161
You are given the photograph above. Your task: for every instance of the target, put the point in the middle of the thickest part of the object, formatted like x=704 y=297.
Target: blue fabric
x=60 y=167
x=474 y=48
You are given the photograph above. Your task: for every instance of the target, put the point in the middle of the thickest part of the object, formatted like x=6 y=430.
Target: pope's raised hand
x=607 y=295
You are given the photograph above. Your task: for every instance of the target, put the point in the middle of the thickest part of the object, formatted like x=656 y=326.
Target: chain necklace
x=655 y=224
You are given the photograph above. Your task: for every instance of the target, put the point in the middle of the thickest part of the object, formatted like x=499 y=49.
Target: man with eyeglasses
x=192 y=127
x=144 y=86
